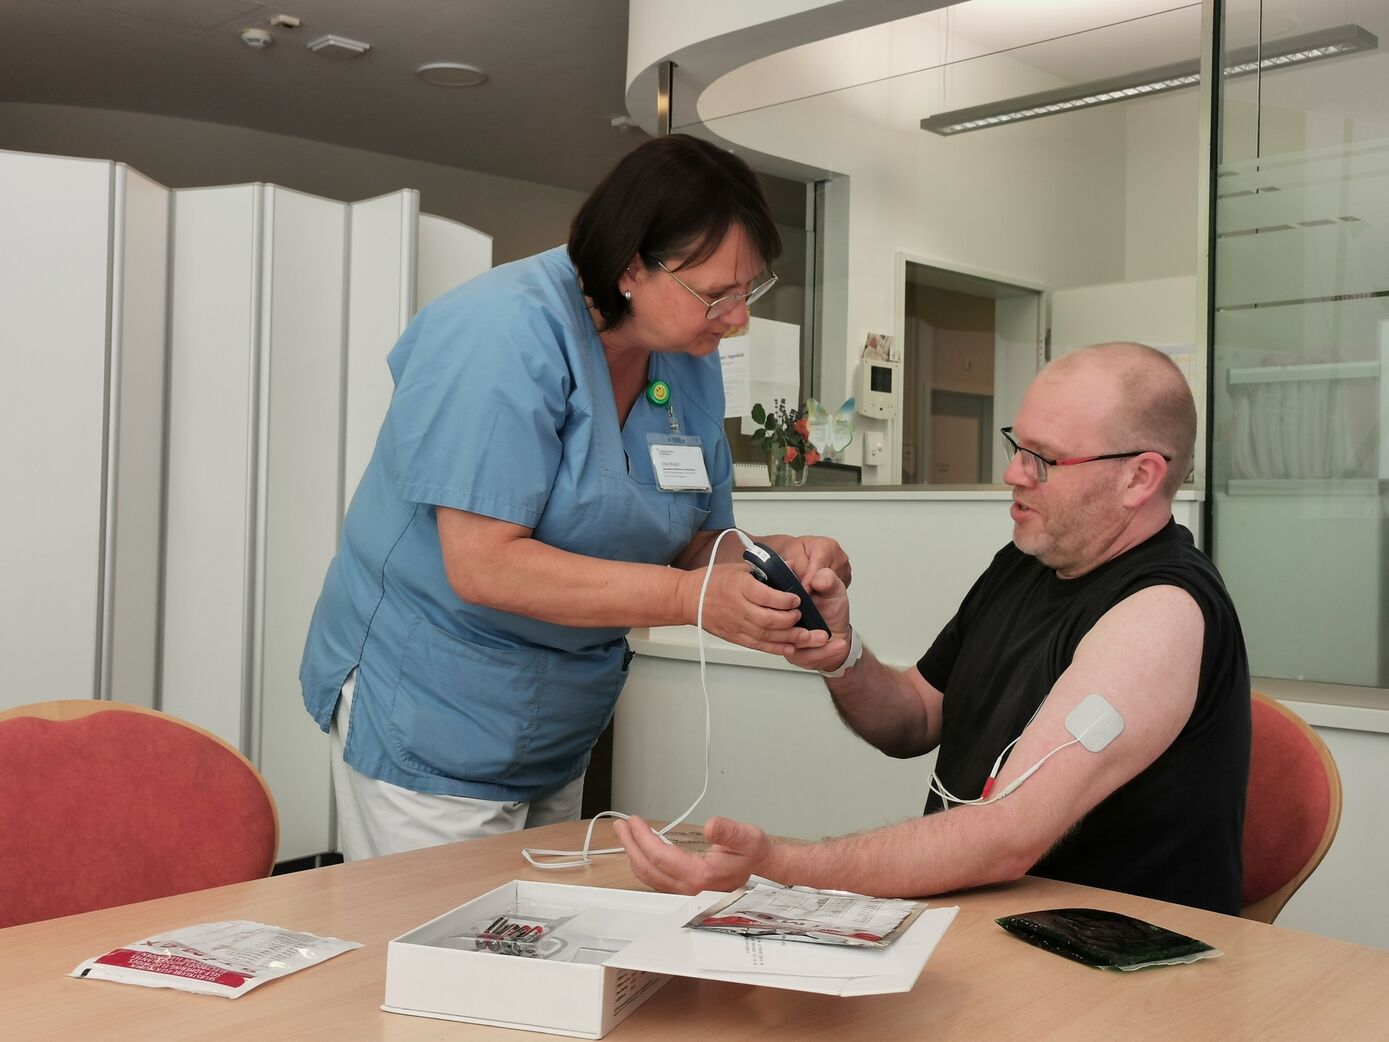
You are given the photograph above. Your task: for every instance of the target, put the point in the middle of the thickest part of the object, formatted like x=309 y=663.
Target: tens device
x=770 y=569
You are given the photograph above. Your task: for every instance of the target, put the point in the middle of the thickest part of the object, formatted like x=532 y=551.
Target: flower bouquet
x=785 y=434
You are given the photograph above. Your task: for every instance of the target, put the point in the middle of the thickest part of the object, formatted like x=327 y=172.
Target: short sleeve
x=480 y=401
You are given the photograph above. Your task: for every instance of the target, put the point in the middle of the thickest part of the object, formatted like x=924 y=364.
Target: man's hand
x=832 y=600
x=738 y=850
x=807 y=554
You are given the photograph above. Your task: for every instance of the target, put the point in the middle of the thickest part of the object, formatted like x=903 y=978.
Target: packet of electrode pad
x=227 y=959
x=1105 y=940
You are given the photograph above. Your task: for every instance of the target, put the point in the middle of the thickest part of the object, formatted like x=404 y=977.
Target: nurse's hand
x=740 y=609
x=807 y=554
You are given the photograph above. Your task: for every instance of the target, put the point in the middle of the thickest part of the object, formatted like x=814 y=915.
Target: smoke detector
x=256 y=39
x=451 y=74
x=339 y=47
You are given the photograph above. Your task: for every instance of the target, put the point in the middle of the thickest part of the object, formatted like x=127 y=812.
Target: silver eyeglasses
x=1036 y=464
x=721 y=306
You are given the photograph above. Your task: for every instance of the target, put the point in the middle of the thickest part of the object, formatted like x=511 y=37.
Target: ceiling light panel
x=339 y=48
x=1273 y=54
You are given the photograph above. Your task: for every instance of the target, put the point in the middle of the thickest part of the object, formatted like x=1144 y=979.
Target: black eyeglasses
x=1037 y=464
x=723 y=305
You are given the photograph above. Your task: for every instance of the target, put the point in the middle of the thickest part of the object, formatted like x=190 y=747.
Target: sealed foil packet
x=227 y=958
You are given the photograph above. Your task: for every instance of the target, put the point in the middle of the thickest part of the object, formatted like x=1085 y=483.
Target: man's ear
x=1146 y=476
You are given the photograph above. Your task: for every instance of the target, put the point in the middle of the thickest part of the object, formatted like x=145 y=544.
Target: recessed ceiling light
x=451 y=74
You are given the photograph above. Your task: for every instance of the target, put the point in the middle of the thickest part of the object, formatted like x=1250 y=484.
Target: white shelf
x=1320 y=487
x=1267 y=374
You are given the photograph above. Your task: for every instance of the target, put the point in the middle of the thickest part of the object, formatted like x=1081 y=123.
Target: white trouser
x=376 y=817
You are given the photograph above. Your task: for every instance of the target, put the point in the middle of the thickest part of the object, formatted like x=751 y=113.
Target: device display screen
x=880 y=379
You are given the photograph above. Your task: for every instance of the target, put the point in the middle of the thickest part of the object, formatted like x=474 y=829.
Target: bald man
x=1100 y=592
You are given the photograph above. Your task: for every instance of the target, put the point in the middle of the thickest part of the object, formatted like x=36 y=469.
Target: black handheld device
x=770 y=569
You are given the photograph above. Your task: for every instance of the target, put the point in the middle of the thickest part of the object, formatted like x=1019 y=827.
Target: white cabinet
x=193 y=384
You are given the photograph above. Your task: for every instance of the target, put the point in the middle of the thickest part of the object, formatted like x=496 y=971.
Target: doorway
x=970 y=346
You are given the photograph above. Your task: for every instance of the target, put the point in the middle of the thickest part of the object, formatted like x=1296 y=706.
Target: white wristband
x=850 y=660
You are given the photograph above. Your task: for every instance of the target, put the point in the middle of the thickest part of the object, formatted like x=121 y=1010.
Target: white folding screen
x=135 y=456
x=82 y=331
x=270 y=314
x=384 y=262
x=393 y=244
x=300 y=459
x=259 y=299
x=209 y=555
x=449 y=255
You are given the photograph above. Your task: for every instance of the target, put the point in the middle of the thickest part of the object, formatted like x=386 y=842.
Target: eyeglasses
x=723 y=305
x=1036 y=464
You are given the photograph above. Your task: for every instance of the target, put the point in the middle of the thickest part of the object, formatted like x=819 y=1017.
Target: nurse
x=555 y=442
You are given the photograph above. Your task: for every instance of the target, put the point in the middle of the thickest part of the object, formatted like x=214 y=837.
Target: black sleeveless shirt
x=1173 y=831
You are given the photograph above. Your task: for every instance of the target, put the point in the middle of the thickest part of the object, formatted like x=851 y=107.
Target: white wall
x=1162 y=159
x=521 y=216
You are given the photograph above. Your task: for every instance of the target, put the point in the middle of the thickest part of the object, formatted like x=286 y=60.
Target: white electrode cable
x=938 y=787
x=580 y=858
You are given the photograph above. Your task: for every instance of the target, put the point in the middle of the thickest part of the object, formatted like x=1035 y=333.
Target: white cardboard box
x=620 y=947
x=426 y=977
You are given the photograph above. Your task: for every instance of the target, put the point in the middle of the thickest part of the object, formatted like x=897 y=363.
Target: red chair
x=104 y=804
x=1292 y=810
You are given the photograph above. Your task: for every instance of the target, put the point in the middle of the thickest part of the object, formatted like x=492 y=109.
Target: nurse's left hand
x=807 y=554
x=740 y=609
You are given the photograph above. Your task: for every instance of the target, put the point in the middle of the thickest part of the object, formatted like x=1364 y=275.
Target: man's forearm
x=882 y=707
x=930 y=855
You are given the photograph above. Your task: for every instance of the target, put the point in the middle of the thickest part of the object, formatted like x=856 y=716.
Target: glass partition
x=979 y=252
x=1301 y=336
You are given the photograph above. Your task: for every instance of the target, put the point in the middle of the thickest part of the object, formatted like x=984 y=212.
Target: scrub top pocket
x=686 y=518
x=463 y=710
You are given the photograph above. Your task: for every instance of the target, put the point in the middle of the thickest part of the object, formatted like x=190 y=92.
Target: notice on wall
x=774 y=366
x=737 y=388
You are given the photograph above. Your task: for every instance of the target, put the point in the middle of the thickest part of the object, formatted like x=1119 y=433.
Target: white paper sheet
x=774 y=365
x=737 y=388
x=670 y=948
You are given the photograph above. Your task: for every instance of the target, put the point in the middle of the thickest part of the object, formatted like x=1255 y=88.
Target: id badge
x=677 y=460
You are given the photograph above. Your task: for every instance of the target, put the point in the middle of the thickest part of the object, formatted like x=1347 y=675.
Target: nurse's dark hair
x=673 y=196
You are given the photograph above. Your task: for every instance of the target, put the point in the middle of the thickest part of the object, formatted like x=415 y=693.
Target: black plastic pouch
x=1105 y=940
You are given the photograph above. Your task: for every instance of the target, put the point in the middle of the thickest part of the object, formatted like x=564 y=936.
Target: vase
x=783 y=474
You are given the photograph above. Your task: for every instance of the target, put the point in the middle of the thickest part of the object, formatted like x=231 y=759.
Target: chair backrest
x=103 y=803
x=1292 y=810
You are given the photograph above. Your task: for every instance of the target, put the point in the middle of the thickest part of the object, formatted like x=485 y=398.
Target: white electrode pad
x=1094 y=722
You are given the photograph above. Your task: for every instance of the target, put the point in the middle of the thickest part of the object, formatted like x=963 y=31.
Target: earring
x=627 y=295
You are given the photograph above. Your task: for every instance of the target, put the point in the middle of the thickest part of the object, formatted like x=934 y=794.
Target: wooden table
x=981 y=984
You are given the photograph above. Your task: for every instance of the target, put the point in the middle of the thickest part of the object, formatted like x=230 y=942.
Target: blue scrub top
x=503 y=406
